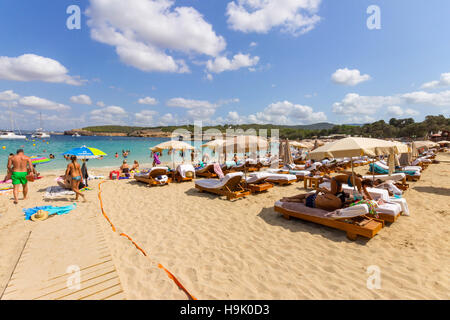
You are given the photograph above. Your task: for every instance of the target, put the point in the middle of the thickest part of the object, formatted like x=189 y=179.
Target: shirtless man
x=322 y=199
x=74 y=170
x=351 y=180
x=20 y=165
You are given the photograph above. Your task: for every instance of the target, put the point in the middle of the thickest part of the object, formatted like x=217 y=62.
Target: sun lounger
x=207 y=171
x=360 y=225
x=157 y=176
x=375 y=193
x=184 y=172
x=229 y=186
x=277 y=178
x=256 y=183
x=389 y=211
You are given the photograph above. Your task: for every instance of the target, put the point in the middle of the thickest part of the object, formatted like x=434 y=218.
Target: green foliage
x=396 y=128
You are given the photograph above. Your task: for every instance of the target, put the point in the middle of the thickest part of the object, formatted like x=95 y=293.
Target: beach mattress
x=215 y=183
x=375 y=193
x=390 y=208
x=350 y=212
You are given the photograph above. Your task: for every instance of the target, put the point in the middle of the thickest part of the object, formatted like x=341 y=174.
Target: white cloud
x=109 y=115
x=349 y=77
x=398 y=111
x=148 y=100
x=146 y=117
x=368 y=105
x=42 y=104
x=287 y=113
x=189 y=103
x=167 y=119
x=144 y=31
x=292 y=16
x=81 y=99
x=444 y=81
x=8 y=95
x=31 y=67
x=221 y=64
x=358 y=119
x=253 y=44
x=439 y=99
x=100 y=104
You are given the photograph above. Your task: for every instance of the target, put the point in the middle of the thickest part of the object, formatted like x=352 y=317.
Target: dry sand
x=243 y=249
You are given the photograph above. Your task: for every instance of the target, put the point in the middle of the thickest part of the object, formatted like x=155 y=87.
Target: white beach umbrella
x=172 y=145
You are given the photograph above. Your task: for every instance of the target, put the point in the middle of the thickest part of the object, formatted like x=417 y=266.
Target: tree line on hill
x=395 y=128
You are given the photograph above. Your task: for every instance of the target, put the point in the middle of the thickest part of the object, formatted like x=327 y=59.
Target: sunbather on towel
x=322 y=199
x=352 y=180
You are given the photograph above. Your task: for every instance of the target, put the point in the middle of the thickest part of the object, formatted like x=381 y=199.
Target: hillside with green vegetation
x=395 y=128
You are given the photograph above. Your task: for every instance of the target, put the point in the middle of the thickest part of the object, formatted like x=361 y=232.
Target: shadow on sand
x=270 y=216
x=434 y=190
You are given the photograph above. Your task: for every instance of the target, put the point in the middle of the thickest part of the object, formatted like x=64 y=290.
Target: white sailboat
x=9 y=134
x=40 y=133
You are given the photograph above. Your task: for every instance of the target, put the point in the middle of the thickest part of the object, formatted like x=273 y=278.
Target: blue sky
x=161 y=62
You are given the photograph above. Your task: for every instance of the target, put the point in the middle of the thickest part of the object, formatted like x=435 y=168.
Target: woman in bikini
x=74 y=170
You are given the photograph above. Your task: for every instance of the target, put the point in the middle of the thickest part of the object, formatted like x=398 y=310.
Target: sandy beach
x=243 y=249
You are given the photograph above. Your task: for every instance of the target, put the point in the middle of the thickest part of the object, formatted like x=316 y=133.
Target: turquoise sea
x=57 y=144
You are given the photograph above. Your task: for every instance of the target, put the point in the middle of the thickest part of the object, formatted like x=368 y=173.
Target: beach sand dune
x=243 y=249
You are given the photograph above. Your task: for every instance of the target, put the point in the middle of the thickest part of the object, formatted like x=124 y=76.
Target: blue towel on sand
x=50 y=209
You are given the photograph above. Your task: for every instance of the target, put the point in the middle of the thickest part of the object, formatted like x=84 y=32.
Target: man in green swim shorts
x=20 y=165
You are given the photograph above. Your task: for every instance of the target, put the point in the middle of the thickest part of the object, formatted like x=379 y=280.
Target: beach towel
x=184 y=168
x=162 y=179
x=156 y=158
x=350 y=212
x=57 y=191
x=50 y=209
x=218 y=170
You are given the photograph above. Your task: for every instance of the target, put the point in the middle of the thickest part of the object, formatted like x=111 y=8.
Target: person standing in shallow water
x=74 y=170
x=19 y=165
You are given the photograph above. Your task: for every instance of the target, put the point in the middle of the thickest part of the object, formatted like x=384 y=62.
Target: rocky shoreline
x=138 y=133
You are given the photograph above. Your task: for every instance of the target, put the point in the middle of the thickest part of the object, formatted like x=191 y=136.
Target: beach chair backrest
x=158 y=172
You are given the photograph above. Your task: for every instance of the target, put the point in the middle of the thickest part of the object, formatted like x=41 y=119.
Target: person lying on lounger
x=352 y=180
x=321 y=199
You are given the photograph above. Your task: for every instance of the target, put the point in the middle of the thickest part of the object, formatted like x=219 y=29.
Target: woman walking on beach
x=74 y=170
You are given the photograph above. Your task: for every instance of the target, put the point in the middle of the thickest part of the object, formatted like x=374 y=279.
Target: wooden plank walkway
x=55 y=249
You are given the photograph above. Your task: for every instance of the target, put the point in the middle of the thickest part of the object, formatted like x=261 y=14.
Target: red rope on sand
x=169 y=274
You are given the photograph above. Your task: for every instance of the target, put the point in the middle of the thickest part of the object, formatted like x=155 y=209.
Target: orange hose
x=169 y=274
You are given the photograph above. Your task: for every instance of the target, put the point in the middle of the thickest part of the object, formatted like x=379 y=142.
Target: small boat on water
x=76 y=135
x=10 y=135
x=40 y=133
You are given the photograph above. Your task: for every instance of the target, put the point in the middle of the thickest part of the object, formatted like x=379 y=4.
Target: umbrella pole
x=373 y=170
x=353 y=174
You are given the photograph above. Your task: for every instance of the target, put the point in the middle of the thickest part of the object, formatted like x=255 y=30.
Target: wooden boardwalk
x=53 y=260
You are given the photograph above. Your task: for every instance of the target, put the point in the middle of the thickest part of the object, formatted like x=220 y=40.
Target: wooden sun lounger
x=354 y=227
x=150 y=178
x=233 y=189
x=178 y=178
x=206 y=172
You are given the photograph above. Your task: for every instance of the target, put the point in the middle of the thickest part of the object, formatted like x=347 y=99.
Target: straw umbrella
x=215 y=145
x=287 y=159
x=172 y=145
x=354 y=147
x=245 y=144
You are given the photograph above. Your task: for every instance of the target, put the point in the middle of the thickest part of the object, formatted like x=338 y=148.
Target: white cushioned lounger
x=386 y=177
x=375 y=193
x=216 y=184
